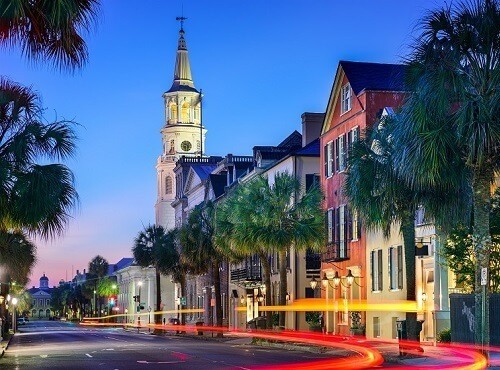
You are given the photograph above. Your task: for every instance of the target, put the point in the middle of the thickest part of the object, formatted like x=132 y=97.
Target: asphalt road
x=61 y=345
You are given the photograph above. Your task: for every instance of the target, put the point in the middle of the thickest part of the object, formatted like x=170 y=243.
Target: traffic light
x=137 y=298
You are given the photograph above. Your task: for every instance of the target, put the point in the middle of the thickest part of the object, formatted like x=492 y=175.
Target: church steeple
x=183 y=80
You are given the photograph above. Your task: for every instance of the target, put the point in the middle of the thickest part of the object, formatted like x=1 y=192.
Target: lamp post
x=95 y=303
x=14 y=303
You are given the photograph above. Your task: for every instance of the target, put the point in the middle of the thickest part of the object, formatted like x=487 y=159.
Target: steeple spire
x=183 y=79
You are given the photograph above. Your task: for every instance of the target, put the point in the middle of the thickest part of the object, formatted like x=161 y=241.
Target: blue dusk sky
x=260 y=63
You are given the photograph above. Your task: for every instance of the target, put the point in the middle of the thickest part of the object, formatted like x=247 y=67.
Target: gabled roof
x=364 y=76
x=310 y=150
x=203 y=170
x=121 y=264
x=374 y=76
x=292 y=140
x=218 y=183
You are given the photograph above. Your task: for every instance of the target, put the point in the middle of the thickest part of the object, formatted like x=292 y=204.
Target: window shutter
x=359 y=226
x=331 y=161
x=325 y=157
x=356 y=134
x=390 y=258
x=372 y=269
x=337 y=169
x=344 y=144
x=380 y=277
x=337 y=225
x=400 y=266
x=349 y=224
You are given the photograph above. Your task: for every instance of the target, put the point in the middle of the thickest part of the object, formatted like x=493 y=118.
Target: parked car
x=21 y=321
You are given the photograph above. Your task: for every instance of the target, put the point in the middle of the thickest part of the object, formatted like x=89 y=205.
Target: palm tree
x=37 y=198
x=288 y=219
x=382 y=199
x=200 y=252
x=275 y=218
x=98 y=269
x=452 y=119
x=147 y=245
x=234 y=235
x=50 y=30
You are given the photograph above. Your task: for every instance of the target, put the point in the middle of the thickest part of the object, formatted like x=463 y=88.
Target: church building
x=41 y=306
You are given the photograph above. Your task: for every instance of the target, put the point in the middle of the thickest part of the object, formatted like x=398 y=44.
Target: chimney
x=311 y=126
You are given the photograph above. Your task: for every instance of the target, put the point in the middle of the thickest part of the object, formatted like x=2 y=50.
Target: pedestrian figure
x=164 y=321
x=322 y=323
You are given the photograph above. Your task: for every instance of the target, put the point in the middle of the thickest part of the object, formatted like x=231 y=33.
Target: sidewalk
x=4 y=343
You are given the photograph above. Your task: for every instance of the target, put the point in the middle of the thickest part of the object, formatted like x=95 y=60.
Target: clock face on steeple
x=186 y=146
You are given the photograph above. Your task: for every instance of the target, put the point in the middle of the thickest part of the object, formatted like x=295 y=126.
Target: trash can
x=198 y=325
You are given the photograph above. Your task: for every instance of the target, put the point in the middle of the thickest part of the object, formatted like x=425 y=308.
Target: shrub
x=444 y=336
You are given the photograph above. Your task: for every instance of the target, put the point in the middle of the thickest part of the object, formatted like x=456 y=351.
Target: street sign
x=484 y=276
x=183 y=301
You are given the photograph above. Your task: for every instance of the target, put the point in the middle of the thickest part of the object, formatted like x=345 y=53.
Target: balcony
x=248 y=274
x=336 y=252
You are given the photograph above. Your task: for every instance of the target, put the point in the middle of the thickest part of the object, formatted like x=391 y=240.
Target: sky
x=260 y=63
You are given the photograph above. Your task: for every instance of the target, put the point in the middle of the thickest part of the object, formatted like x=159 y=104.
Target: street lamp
x=260 y=296
x=14 y=324
x=95 y=303
x=349 y=278
x=313 y=283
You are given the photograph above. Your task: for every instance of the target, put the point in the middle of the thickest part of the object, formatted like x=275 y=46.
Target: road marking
x=88 y=355
x=43 y=356
x=160 y=362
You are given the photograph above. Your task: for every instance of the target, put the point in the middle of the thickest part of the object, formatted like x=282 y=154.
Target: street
x=64 y=345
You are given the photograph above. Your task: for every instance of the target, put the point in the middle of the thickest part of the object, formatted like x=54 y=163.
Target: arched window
x=168 y=185
x=172 y=146
x=173 y=112
x=185 y=112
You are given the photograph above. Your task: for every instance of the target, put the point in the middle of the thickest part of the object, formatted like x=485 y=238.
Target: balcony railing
x=249 y=273
x=336 y=252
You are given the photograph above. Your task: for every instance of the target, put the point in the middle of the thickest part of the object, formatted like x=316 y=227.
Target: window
x=173 y=112
x=311 y=180
x=376 y=270
x=396 y=267
x=172 y=146
x=346 y=99
x=185 y=112
x=376 y=327
x=328 y=151
x=352 y=137
x=168 y=185
x=48 y=302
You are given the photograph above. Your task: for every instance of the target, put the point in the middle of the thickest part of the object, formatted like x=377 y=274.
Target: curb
x=7 y=346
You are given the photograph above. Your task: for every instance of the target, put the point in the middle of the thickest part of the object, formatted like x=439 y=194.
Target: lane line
x=88 y=355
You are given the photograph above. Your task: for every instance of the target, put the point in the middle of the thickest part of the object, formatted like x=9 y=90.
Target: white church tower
x=182 y=132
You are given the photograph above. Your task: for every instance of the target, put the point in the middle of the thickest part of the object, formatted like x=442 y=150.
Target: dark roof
x=292 y=140
x=311 y=149
x=44 y=277
x=121 y=264
x=203 y=170
x=176 y=87
x=374 y=76
x=218 y=183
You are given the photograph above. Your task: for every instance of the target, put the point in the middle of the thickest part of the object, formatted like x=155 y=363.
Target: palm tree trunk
x=266 y=275
x=408 y=231
x=482 y=242
x=182 y=283
x=157 y=318
x=218 y=299
x=283 y=287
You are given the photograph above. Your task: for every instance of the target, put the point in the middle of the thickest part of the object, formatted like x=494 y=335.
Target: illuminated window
x=168 y=185
x=173 y=112
x=185 y=112
x=345 y=105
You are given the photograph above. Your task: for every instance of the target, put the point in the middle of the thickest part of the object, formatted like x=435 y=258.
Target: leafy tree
x=459 y=251
x=199 y=251
x=107 y=287
x=49 y=29
x=451 y=122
